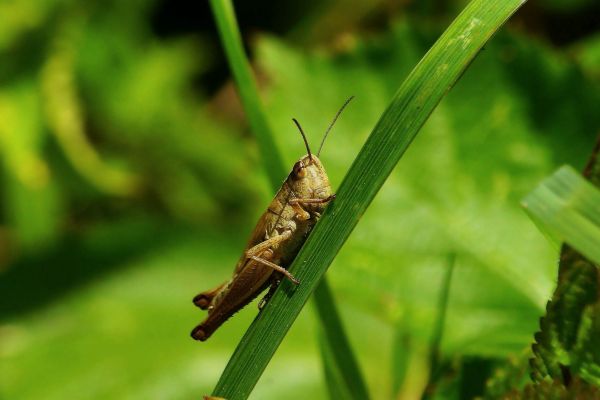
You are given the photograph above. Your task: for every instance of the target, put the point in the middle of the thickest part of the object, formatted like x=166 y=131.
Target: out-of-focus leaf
x=65 y=118
x=440 y=319
x=401 y=347
x=568 y=206
x=19 y=17
x=231 y=40
x=560 y=327
x=511 y=376
x=553 y=390
x=587 y=53
x=568 y=343
x=31 y=200
x=148 y=113
x=126 y=335
x=340 y=361
x=334 y=381
x=565 y=5
x=586 y=352
x=435 y=354
x=114 y=91
x=416 y=373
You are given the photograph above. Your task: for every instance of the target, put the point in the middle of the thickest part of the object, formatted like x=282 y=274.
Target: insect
x=275 y=241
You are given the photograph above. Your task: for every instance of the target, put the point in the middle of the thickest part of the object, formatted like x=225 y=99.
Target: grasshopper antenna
x=332 y=123
x=303 y=137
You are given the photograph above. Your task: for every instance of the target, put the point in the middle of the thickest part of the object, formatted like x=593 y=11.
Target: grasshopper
x=275 y=241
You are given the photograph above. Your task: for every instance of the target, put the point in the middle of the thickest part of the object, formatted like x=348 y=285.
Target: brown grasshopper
x=275 y=241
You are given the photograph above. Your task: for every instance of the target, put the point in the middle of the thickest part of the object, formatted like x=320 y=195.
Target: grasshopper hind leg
x=204 y=299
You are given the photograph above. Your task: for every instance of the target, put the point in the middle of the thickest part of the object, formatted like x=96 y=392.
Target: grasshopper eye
x=299 y=170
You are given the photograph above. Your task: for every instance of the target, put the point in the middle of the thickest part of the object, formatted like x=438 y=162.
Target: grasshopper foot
x=198 y=333
x=204 y=299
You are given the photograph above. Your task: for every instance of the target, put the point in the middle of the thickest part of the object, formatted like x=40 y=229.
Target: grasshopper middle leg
x=270 y=293
x=301 y=213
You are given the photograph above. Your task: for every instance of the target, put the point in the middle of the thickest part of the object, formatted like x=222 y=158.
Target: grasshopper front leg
x=301 y=213
x=313 y=201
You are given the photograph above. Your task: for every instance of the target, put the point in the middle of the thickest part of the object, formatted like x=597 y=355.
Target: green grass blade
x=567 y=206
x=232 y=42
x=334 y=380
x=337 y=346
x=335 y=342
x=397 y=127
x=440 y=322
x=435 y=343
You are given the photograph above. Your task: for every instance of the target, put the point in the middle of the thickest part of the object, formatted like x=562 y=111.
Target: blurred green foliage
x=127 y=187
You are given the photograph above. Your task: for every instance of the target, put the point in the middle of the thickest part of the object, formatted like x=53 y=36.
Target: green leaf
x=512 y=375
x=568 y=207
x=561 y=329
x=397 y=127
x=31 y=198
x=586 y=352
x=66 y=120
x=568 y=343
x=193 y=176
x=553 y=390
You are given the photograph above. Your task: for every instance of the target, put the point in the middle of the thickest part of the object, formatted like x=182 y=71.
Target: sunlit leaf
x=568 y=206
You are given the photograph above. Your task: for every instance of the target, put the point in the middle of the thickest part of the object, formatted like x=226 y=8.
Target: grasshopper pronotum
x=275 y=241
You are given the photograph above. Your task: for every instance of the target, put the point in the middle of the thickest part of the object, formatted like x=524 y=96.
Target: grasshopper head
x=309 y=166
x=308 y=178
